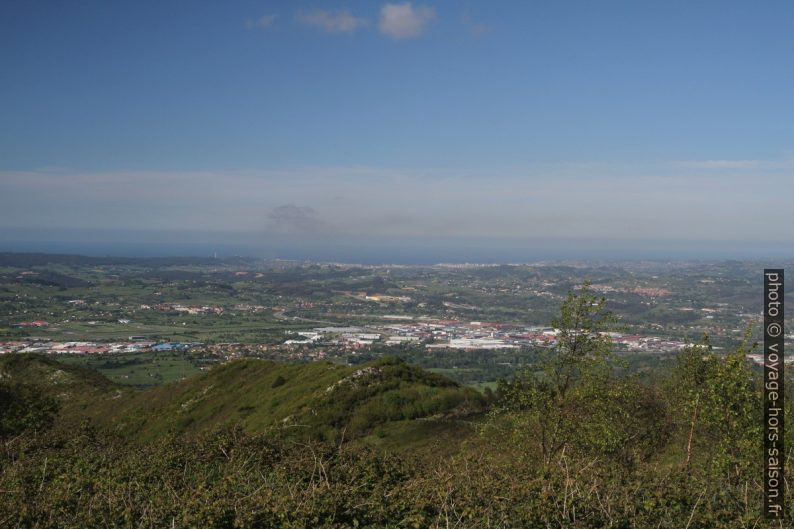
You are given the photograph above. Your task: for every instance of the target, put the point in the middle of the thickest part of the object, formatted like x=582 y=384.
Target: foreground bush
x=232 y=480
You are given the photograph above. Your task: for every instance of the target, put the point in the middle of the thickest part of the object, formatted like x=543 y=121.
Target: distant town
x=475 y=322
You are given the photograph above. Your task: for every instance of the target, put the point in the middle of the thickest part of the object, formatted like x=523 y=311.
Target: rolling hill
x=386 y=402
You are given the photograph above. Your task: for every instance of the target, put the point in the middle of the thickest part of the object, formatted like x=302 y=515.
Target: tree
x=570 y=398
x=718 y=401
x=583 y=347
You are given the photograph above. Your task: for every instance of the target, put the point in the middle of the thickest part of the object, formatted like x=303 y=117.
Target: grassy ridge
x=319 y=401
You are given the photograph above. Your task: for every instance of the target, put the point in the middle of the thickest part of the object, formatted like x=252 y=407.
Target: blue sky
x=643 y=122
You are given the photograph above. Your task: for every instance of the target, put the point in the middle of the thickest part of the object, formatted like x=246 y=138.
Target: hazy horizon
x=370 y=251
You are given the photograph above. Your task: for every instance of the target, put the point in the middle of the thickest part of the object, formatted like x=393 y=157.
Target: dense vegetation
x=573 y=442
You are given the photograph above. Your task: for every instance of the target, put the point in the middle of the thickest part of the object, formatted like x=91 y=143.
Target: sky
x=438 y=130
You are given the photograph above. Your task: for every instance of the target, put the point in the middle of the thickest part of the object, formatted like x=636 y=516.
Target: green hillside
x=79 y=392
x=55 y=377
x=320 y=401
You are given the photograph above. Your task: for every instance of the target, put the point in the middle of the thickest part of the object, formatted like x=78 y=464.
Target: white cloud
x=263 y=22
x=331 y=22
x=401 y=21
